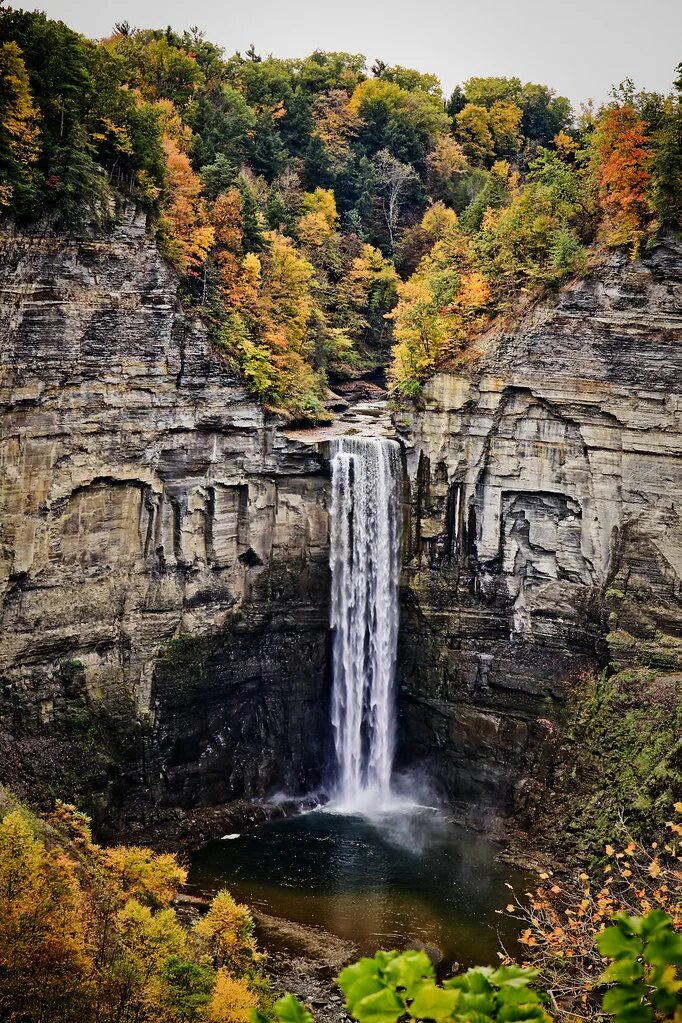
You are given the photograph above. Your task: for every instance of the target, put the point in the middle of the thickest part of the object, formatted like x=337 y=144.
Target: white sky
x=580 y=48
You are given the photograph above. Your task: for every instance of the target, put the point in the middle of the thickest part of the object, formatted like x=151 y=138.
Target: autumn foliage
x=293 y=196
x=622 y=160
x=563 y=918
x=88 y=935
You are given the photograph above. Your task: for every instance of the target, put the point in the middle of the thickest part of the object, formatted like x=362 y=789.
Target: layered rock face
x=145 y=499
x=544 y=536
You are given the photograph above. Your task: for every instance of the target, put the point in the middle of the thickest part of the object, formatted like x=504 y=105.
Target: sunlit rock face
x=545 y=537
x=145 y=497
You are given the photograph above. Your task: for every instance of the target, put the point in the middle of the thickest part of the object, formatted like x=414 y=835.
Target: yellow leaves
x=473 y=131
x=565 y=145
x=232 y=1001
x=439 y=308
x=313 y=229
x=335 y=122
x=677 y=807
x=323 y=202
x=152 y=878
x=19 y=117
x=226 y=932
x=655 y=868
x=320 y=218
x=77 y=942
x=438 y=221
x=447 y=158
x=510 y=907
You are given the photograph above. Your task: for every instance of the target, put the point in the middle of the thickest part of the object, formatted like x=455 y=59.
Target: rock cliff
x=545 y=530
x=164 y=549
x=163 y=560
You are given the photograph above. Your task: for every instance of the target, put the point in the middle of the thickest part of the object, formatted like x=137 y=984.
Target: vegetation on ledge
x=617 y=764
x=323 y=216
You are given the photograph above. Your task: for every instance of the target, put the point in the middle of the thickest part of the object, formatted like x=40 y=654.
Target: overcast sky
x=580 y=48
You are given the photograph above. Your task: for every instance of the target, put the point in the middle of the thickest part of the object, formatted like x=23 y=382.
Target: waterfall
x=365 y=566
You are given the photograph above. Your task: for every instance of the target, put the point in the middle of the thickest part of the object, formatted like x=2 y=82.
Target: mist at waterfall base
x=409 y=880
x=378 y=863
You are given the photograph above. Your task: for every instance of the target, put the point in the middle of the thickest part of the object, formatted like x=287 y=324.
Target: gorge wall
x=545 y=527
x=164 y=550
x=163 y=561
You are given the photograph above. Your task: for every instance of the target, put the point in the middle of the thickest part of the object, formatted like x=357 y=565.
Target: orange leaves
x=227 y=223
x=621 y=158
x=189 y=236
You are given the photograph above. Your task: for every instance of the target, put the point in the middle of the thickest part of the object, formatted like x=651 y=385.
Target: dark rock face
x=545 y=523
x=145 y=498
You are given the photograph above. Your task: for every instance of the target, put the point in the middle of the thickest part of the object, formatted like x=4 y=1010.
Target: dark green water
x=404 y=878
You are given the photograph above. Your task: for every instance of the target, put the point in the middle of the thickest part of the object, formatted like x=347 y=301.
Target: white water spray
x=365 y=565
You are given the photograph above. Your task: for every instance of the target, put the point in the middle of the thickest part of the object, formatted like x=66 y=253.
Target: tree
x=621 y=158
x=486 y=133
x=19 y=127
x=187 y=237
x=474 y=134
x=334 y=124
x=222 y=124
x=445 y=163
x=43 y=958
x=402 y=122
x=232 y=1001
x=226 y=934
x=504 y=120
x=393 y=182
x=150 y=878
x=439 y=308
x=666 y=162
x=485 y=92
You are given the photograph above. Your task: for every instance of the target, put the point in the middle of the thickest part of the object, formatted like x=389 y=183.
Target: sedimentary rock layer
x=163 y=561
x=545 y=532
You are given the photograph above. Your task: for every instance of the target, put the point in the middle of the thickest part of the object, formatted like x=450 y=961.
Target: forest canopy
x=327 y=218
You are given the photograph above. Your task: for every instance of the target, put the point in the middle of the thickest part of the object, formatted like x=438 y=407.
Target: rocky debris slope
x=163 y=557
x=544 y=529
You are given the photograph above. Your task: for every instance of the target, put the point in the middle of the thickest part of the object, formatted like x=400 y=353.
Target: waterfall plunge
x=365 y=565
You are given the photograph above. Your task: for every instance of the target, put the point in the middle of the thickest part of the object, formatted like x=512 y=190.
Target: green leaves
x=432 y=1002
x=636 y=943
x=290 y=1010
x=615 y=943
x=391 y=986
x=646 y=953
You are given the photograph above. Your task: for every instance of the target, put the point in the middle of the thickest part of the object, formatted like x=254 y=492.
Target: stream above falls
x=409 y=878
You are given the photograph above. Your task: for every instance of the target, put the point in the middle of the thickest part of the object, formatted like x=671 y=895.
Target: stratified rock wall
x=164 y=547
x=145 y=499
x=545 y=532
